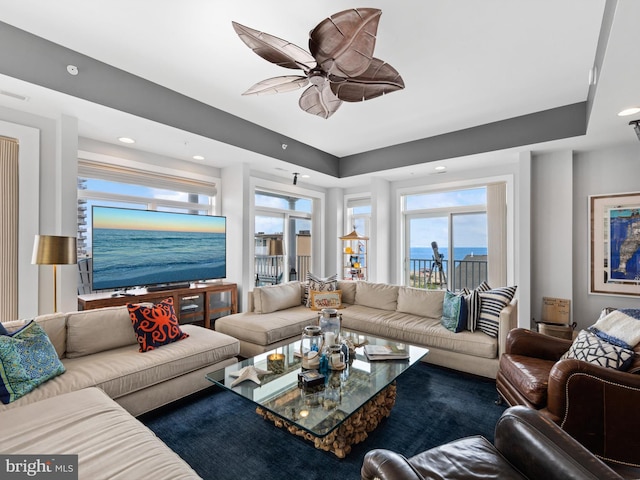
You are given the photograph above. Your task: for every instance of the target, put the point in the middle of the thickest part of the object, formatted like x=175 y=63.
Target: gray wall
x=597 y=172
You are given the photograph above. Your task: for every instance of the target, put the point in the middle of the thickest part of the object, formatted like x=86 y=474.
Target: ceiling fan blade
x=343 y=44
x=273 y=85
x=379 y=79
x=274 y=49
x=319 y=100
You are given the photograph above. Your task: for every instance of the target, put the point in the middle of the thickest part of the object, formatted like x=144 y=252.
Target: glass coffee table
x=335 y=412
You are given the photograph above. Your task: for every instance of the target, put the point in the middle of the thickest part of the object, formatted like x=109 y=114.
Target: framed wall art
x=614 y=246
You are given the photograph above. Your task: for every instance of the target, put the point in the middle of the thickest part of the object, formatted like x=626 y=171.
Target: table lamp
x=54 y=250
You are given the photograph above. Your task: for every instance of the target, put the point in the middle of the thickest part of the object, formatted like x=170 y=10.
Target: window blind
x=118 y=173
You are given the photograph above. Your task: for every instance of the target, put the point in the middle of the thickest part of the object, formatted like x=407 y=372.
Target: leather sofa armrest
x=383 y=464
x=597 y=406
x=539 y=448
x=521 y=341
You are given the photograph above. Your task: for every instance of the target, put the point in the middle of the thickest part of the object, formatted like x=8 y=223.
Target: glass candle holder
x=336 y=357
x=310 y=347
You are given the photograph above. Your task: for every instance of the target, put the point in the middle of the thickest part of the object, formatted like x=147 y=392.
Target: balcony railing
x=269 y=269
x=465 y=273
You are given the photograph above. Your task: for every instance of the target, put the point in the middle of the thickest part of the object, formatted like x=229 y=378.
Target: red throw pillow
x=155 y=325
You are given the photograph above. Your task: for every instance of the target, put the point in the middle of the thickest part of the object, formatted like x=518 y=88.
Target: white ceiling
x=464 y=63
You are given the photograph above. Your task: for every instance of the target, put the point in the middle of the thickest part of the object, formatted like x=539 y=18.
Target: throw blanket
x=620 y=327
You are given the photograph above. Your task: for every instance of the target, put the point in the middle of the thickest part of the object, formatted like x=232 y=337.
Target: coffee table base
x=352 y=431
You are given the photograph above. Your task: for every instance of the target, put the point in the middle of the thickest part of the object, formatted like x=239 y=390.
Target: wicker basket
x=560 y=331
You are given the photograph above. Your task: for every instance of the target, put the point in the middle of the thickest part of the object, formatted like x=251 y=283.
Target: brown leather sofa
x=527 y=446
x=597 y=406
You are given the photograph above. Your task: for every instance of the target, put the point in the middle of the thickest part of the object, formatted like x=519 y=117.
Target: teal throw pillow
x=454 y=312
x=27 y=359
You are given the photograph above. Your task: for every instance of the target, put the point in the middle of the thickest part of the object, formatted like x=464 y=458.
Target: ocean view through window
x=446 y=239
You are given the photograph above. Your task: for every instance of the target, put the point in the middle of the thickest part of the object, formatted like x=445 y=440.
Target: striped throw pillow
x=491 y=304
x=473 y=305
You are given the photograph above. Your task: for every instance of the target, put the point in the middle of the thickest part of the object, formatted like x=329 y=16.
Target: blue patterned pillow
x=3 y=331
x=27 y=359
x=593 y=349
x=454 y=312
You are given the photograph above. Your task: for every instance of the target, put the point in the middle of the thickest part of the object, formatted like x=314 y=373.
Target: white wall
x=46 y=183
x=236 y=202
x=29 y=213
x=551 y=228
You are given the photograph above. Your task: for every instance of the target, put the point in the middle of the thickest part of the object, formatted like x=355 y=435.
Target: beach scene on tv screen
x=140 y=247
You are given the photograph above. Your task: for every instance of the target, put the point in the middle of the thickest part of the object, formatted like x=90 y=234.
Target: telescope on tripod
x=437 y=267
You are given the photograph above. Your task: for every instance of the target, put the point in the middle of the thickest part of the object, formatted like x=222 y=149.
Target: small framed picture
x=320 y=300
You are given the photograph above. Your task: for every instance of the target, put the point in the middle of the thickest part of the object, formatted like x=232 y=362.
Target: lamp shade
x=54 y=250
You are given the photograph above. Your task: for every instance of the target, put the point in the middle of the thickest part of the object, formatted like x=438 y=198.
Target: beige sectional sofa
x=109 y=442
x=276 y=316
x=98 y=348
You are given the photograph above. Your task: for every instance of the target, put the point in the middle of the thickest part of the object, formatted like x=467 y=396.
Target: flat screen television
x=145 y=247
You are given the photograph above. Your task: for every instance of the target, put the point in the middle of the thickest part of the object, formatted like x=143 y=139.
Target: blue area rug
x=219 y=434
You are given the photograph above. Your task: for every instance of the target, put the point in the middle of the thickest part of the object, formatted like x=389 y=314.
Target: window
x=282 y=237
x=358 y=216
x=106 y=185
x=446 y=238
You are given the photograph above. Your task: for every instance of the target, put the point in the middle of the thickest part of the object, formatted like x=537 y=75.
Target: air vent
x=14 y=95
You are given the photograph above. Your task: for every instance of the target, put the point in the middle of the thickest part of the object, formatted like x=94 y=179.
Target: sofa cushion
x=348 y=289
x=27 y=359
x=124 y=370
x=54 y=325
x=92 y=331
x=318 y=284
x=470 y=457
x=272 y=298
x=529 y=375
x=454 y=312
x=419 y=301
x=255 y=328
x=588 y=347
x=109 y=442
x=377 y=295
x=491 y=304
x=155 y=325
x=427 y=332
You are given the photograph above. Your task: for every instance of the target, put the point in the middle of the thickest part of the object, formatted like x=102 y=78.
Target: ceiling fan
x=341 y=66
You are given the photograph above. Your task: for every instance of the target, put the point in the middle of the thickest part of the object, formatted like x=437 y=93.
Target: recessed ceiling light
x=198 y=157
x=440 y=168
x=304 y=175
x=629 y=111
x=126 y=140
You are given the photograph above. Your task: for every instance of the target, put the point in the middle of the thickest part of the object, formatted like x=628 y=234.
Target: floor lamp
x=54 y=250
